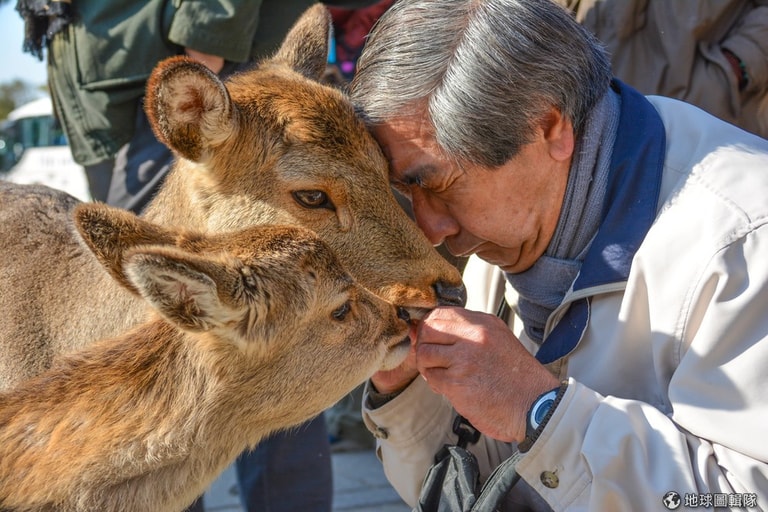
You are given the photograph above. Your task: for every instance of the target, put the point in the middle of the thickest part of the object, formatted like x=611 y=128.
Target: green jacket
x=98 y=66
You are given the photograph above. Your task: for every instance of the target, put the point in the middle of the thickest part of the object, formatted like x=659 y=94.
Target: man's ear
x=109 y=232
x=558 y=132
x=181 y=286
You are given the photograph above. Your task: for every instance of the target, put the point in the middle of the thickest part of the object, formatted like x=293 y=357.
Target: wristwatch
x=539 y=411
x=539 y=414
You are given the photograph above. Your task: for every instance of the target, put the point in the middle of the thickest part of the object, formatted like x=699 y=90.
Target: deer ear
x=109 y=232
x=188 y=107
x=182 y=287
x=305 y=47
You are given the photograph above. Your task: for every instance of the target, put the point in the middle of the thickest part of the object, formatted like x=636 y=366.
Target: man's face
x=505 y=215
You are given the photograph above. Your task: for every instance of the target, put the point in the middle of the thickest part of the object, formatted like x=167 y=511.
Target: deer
x=270 y=145
x=249 y=332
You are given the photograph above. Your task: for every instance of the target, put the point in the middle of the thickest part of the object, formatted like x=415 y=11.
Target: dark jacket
x=98 y=65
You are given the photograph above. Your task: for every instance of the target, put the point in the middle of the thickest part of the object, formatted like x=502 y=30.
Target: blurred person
x=711 y=53
x=350 y=28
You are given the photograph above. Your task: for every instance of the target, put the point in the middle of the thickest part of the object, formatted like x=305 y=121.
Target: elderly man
x=634 y=230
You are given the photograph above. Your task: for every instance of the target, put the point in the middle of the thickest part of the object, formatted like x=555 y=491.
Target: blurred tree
x=16 y=93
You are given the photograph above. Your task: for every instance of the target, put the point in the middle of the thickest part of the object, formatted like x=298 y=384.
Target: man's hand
x=212 y=62
x=482 y=368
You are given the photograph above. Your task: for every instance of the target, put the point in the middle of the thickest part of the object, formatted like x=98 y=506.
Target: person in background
x=351 y=26
x=633 y=229
x=711 y=53
x=99 y=56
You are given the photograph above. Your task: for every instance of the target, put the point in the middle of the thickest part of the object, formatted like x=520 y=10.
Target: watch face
x=541 y=407
x=541 y=412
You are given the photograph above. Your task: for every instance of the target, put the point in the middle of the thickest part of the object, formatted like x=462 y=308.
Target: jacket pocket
x=117 y=47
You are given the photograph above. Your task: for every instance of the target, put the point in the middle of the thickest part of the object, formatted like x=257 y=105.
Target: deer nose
x=450 y=294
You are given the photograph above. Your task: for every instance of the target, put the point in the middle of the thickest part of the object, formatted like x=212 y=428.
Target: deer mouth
x=396 y=354
x=412 y=315
x=405 y=342
x=402 y=314
x=398 y=351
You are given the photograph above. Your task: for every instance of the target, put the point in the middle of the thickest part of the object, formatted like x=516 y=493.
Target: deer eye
x=313 y=199
x=340 y=313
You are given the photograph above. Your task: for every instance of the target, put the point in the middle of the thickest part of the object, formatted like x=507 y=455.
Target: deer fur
x=252 y=331
x=270 y=145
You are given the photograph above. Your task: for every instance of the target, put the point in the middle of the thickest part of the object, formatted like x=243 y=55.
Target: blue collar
x=630 y=208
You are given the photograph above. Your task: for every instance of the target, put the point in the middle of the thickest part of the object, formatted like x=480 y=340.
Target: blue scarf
x=542 y=287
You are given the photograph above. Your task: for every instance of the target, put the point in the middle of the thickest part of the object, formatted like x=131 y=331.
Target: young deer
x=271 y=145
x=253 y=331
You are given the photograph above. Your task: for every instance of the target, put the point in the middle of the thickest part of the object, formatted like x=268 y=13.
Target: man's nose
x=433 y=218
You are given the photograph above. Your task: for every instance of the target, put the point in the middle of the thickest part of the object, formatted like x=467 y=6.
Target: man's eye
x=341 y=313
x=417 y=180
x=313 y=199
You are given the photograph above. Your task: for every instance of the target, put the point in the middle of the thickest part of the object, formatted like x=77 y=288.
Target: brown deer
x=270 y=145
x=252 y=331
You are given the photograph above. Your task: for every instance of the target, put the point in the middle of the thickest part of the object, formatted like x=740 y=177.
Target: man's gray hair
x=487 y=71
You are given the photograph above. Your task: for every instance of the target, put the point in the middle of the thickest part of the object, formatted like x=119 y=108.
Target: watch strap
x=535 y=425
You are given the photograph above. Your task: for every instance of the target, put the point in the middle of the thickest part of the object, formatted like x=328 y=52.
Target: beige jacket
x=668 y=383
x=674 y=48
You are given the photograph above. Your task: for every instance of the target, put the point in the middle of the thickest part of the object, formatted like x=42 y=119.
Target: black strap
x=467 y=433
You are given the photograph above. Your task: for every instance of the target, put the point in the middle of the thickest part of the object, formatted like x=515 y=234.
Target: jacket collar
x=630 y=208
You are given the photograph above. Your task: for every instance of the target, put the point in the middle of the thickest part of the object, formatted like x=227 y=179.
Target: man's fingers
x=431 y=355
x=435 y=330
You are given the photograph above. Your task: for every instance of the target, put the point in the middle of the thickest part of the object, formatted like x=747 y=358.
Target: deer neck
x=269 y=394
x=184 y=198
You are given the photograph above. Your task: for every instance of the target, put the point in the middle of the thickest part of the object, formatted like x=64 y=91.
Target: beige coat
x=674 y=48
x=668 y=382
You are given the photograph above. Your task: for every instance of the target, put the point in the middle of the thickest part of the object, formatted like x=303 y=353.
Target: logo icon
x=671 y=500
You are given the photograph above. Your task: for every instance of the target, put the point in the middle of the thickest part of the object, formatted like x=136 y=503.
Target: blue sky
x=15 y=63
